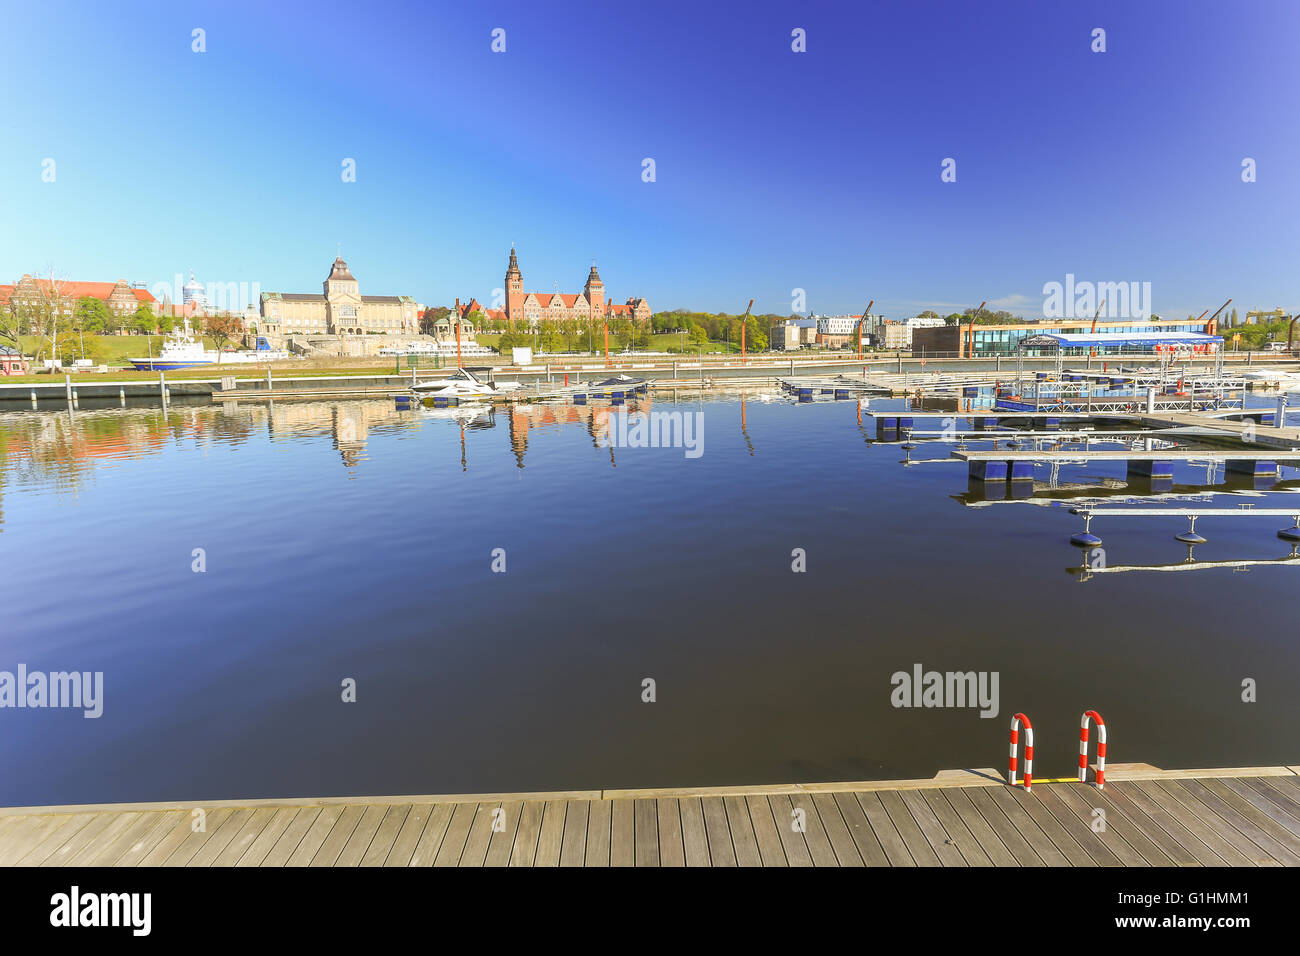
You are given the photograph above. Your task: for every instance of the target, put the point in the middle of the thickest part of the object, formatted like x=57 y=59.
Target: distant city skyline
x=774 y=170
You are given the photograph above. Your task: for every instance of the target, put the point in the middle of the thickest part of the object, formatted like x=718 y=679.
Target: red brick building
x=534 y=307
x=119 y=296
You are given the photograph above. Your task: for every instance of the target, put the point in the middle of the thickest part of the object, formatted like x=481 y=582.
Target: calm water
x=346 y=540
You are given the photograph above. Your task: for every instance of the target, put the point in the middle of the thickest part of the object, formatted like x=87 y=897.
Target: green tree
x=144 y=321
x=91 y=315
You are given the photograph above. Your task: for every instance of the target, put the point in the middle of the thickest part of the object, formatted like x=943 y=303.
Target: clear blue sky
x=775 y=170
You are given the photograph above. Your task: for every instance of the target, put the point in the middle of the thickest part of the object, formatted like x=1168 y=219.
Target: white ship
x=181 y=349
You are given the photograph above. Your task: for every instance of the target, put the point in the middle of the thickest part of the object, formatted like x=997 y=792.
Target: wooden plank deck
x=1144 y=817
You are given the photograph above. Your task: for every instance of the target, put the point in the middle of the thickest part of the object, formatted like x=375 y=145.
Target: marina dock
x=1231 y=817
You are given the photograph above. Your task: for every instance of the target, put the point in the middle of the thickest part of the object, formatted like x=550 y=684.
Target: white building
x=193 y=294
x=899 y=335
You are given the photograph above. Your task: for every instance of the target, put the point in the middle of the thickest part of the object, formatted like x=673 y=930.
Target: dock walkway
x=1237 y=817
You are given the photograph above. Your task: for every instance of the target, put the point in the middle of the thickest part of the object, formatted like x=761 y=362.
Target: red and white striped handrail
x=1016 y=721
x=1083 y=747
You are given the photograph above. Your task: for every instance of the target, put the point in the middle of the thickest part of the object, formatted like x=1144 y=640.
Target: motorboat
x=465 y=383
x=626 y=382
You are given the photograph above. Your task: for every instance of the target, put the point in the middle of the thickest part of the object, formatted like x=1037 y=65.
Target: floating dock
x=1234 y=817
x=998 y=465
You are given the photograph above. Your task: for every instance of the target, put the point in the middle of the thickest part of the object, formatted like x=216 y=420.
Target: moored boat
x=182 y=349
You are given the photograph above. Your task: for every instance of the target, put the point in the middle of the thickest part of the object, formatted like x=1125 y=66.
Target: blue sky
x=775 y=170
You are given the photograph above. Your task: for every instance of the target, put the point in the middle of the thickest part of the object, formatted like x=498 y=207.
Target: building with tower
x=193 y=296
x=341 y=309
x=591 y=303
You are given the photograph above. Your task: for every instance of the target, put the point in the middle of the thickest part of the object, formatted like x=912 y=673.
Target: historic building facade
x=121 y=297
x=535 y=307
x=340 y=310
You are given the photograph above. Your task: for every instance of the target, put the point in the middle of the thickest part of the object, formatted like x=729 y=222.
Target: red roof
x=78 y=290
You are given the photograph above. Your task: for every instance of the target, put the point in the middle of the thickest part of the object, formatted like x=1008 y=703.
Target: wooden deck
x=1243 y=817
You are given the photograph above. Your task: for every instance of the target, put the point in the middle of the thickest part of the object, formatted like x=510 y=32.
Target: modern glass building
x=956 y=341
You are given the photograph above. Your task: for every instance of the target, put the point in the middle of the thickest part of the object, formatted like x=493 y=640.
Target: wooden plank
x=119 y=824
x=77 y=842
x=144 y=825
x=1217 y=823
x=480 y=833
x=599 y=825
x=191 y=845
x=503 y=840
x=1167 y=822
x=742 y=832
x=167 y=824
x=770 y=849
x=338 y=837
x=354 y=851
x=270 y=837
x=1106 y=847
x=1262 y=803
x=985 y=836
x=408 y=836
x=1252 y=824
x=1018 y=833
x=257 y=821
x=1261 y=819
x=315 y=836
x=794 y=841
x=288 y=842
x=64 y=829
x=839 y=834
x=1009 y=798
x=966 y=843
x=878 y=828
x=917 y=845
x=672 y=851
x=550 y=841
x=1281 y=797
x=1197 y=822
x=454 y=841
x=932 y=831
x=26 y=833
x=645 y=817
x=382 y=844
x=1173 y=839
x=622 y=839
x=573 y=852
x=524 y=851
x=721 y=850
x=816 y=842
x=14 y=824
x=1084 y=800
x=221 y=838
x=695 y=837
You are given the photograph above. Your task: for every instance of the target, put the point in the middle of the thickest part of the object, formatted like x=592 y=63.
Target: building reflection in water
x=61 y=450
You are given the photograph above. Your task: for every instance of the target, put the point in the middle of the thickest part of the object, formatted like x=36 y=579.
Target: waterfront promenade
x=1234 y=817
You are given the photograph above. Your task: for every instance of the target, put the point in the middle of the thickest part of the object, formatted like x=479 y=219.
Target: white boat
x=436 y=348
x=465 y=383
x=182 y=349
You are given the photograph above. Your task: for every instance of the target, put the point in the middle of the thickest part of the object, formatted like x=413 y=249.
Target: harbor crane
x=970 y=332
x=861 y=322
x=744 y=320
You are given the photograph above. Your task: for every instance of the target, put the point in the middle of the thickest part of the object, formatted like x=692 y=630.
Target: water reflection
x=62 y=450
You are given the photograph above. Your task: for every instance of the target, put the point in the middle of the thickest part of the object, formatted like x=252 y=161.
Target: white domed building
x=193 y=297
